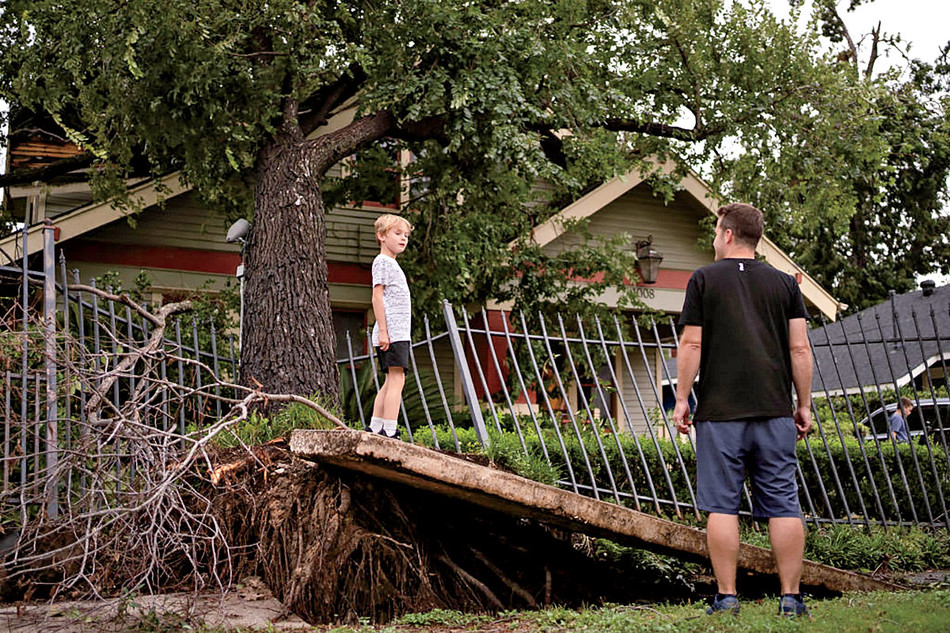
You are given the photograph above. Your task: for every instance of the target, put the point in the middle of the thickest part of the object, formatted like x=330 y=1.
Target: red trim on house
x=348 y=273
x=500 y=345
x=140 y=256
x=189 y=259
x=671 y=279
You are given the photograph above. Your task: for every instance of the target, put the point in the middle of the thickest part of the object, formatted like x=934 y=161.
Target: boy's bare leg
x=395 y=379
x=380 y=400
x=722 y=539
x=787 y=535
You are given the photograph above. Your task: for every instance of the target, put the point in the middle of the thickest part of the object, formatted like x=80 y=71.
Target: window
x=354 y=322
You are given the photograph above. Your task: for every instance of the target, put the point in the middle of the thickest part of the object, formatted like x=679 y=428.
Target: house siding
x=639 y=421
x=675 y=227
x=183 y=223
x=351 y=236
x=186 y=223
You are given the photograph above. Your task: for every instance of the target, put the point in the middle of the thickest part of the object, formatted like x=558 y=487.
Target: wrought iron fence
x=592 y=400
x=585 y=400
x=80 y=346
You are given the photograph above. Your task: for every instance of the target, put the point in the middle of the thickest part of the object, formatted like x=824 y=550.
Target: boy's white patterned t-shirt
x=396 y=299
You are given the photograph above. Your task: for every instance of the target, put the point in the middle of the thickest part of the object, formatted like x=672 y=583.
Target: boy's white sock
x=389 y=428
x=376 y=424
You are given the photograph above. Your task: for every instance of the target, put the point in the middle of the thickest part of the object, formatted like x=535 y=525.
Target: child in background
x=391 y=305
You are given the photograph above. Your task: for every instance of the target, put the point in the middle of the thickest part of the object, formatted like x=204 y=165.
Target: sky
x=922 y=23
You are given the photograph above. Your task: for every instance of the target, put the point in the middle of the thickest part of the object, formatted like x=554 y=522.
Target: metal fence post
x=468 y=387
x=49 y=320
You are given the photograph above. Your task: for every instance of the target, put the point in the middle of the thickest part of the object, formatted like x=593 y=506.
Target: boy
x=391 y=305
x=898 y=421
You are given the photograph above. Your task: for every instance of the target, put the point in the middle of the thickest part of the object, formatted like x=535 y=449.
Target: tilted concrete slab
x=458 y=478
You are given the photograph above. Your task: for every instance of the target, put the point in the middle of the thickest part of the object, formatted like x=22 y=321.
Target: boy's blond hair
x=385 y=222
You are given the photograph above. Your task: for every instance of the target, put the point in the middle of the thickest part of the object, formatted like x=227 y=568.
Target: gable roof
x=606 y=193
x=905 y=336
x=91 y=216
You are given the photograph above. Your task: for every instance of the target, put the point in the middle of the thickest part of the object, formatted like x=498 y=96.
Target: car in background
x=930 y=416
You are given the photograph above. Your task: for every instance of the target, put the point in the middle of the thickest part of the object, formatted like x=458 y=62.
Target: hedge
x=817 y=466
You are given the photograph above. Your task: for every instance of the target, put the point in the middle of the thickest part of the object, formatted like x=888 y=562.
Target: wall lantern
x=648 y=260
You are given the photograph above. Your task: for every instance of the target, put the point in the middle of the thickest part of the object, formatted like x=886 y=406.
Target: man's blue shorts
x=763 y=449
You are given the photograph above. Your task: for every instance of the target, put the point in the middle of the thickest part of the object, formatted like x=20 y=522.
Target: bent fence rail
x=580 y=402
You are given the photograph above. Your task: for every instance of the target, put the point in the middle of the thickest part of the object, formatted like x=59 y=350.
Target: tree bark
x=288 y=343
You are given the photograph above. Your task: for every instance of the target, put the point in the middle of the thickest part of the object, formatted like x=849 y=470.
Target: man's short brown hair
x=906 y=404
x=744 y=220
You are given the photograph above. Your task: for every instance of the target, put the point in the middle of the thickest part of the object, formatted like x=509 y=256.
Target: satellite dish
x=238 y=231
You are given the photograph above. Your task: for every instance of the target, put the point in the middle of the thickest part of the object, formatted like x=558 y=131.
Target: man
x=745 y=335
x=898 y=421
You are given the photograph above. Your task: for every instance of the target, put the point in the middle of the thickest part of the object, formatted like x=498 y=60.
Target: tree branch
x=319 y=105
x=875 y=40
x=661 y=129
x=123 y=366
x=839 y=25
x=337 y=145
x=432 y=127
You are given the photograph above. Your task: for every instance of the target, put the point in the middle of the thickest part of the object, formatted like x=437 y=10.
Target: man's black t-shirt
x=743 y=306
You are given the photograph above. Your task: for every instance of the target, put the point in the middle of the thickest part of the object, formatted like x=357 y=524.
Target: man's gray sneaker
x=724 y=604
x=791 y=605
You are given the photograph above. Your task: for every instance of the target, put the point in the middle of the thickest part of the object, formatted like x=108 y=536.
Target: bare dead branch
x=136 y=493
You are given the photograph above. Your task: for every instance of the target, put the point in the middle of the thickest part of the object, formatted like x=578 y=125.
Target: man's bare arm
x=687 y=368
x=801 y=373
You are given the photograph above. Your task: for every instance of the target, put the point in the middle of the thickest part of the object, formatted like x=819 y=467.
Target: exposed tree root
x=337 y=546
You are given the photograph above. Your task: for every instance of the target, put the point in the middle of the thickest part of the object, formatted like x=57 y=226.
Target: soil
x=250 y=606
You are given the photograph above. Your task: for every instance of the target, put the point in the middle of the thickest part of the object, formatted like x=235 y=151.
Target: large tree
x=857 y=190
x=492 y=96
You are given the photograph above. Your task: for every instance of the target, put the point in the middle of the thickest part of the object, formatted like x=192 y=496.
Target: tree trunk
x=288 y=341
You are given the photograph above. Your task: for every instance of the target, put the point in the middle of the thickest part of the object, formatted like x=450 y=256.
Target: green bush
x=831 y=457
x=259 y=429
x=557 y=454
x=419 y=407
x=639 y=465
x=904 y=549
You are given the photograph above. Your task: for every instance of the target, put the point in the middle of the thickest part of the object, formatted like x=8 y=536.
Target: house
x=626 y=204
x=183 y=248
x=903 y=340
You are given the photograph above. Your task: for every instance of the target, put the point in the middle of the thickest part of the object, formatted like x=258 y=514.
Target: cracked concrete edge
x=431 y=470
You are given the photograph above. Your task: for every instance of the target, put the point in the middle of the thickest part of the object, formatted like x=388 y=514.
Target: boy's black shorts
x=396 y=356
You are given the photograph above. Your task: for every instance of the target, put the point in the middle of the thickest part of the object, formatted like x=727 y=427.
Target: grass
x=921 y=612
x=880 y=612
